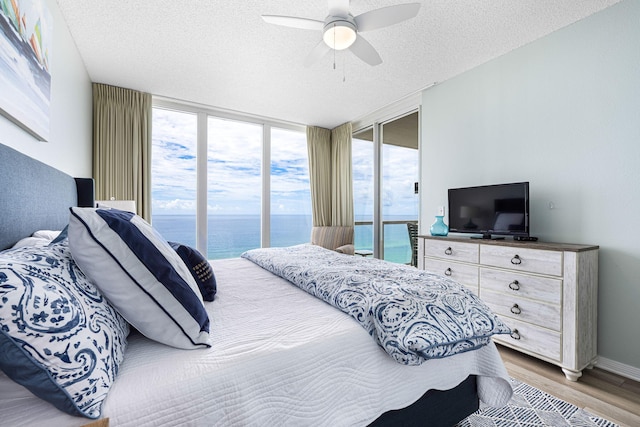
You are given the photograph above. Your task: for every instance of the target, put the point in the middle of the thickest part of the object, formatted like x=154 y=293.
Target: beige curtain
x=341 y=176
x=330 y=175
x=122 y=145
x=319 y=149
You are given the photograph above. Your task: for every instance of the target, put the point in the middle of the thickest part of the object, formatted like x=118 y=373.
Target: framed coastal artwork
x=25 y=58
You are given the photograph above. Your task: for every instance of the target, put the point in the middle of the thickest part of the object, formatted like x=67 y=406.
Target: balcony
x=395 y=237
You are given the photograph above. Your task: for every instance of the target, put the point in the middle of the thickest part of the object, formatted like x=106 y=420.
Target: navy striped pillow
x=140 y=274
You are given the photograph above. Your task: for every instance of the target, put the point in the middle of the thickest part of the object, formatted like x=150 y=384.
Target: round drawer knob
x=448 y=251
x=514 y=286
x=516 y=260
x=515 y=334
x=515 y=309
x=448 y=272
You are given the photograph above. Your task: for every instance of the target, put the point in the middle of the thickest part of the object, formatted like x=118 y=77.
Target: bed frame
x=35 y=196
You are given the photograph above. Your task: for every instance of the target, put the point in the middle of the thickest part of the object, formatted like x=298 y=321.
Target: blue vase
x=439 y=228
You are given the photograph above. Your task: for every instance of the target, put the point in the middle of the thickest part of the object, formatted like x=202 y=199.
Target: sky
x=234 y=170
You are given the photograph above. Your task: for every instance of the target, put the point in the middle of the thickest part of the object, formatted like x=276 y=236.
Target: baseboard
x=626 y=371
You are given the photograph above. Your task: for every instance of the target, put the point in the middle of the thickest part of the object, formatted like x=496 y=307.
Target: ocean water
x=228 y=236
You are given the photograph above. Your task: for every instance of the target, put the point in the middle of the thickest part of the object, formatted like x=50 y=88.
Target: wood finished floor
x=599 y=392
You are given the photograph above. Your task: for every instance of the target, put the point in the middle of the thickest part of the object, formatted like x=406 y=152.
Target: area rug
x=532 y=407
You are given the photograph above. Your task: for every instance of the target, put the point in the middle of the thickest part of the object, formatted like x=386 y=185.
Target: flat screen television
x=488 y=210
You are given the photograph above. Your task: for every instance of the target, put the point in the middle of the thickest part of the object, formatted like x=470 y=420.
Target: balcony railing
x=395 y=237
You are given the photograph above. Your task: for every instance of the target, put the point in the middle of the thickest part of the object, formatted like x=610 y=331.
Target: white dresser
x=547 y=293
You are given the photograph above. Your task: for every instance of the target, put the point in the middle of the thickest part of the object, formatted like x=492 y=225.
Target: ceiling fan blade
x=316 y=53
x=386 y=16
x=294 y=22
x=363 y=50
x=338 y=7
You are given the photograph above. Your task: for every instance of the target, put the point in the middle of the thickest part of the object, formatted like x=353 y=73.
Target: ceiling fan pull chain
x=334 y=46
x=344 y=67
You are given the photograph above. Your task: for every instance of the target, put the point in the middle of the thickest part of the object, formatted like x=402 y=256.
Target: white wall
x=564 y=114
x=69 y=146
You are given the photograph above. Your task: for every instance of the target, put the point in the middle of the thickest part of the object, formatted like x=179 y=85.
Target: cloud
x=234 y=166
x=176 y=205
x=399 y=172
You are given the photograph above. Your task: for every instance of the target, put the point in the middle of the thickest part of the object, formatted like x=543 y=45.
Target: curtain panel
x=122 y=145
x=341 y=176
x=330 y=175
x=319 y=150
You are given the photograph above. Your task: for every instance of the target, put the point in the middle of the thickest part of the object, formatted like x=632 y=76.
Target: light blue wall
x=69 y=147
x=564 y=114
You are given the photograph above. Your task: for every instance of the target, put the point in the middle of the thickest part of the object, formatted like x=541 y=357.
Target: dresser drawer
x=523 y=309
x=462 y=273
x=532 y=338
x=454 y=251
x=553 y=285
x=544 y=289
x=522 y=259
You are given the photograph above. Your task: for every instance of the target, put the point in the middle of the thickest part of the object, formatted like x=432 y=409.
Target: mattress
x=279 y=356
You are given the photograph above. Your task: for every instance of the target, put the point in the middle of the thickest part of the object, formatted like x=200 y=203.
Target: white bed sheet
x=279 y=357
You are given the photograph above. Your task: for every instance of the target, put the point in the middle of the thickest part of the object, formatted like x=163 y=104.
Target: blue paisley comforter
x=413 y=315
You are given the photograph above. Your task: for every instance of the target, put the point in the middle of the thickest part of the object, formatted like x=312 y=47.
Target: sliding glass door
x=399 y=171
x=385 y=171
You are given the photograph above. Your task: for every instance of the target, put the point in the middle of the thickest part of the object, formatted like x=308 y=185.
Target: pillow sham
x=59 y=337
x=200 y=269
x=140 y=274
x=31 y=241
x=46 y=234
x=38 y=238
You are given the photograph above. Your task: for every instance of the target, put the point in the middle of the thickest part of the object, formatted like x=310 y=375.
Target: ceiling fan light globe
x=339 y=35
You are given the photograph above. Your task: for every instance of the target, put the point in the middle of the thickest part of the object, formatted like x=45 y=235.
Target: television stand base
x=525 y=239
x=487 y=237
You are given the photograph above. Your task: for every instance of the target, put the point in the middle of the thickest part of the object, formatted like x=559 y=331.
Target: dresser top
x=570 y=247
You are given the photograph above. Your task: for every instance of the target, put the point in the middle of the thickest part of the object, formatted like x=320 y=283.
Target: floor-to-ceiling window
x=234 y=182
x=173 y=168
x=386 y=169
x=290 y=209
x=362 y=159
x=228 y=184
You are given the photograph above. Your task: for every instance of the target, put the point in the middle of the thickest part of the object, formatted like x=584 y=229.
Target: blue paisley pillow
x=58 y=335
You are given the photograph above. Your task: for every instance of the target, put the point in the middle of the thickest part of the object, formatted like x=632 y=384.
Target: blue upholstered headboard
x=35 y=196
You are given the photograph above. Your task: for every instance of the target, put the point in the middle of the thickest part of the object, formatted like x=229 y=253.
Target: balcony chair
x=413 y=240
x=336 y=238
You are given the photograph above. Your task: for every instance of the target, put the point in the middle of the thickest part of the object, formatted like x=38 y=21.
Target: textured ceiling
x=222 y=54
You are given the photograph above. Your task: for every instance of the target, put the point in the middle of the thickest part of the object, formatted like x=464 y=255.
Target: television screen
x=490 y=209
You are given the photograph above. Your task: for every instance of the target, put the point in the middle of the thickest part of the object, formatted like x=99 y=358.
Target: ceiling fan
x=341 y=30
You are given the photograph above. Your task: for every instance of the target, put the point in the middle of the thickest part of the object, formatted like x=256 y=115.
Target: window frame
x=203 y=112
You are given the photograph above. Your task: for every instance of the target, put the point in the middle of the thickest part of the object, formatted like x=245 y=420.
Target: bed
x=278 y=355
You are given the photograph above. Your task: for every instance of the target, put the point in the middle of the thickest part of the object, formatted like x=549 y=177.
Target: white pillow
x=39 y=238
x=140 y=274
x=46 y=234
x=31 y=241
